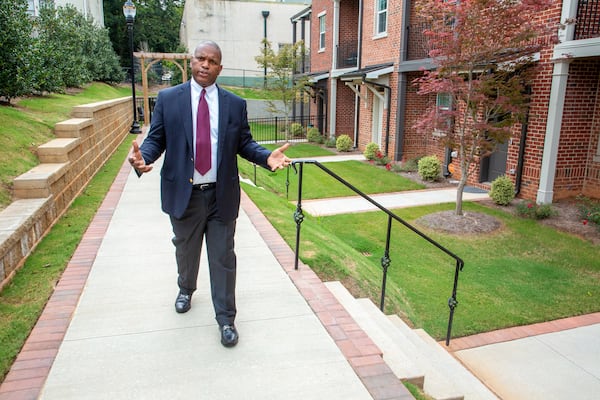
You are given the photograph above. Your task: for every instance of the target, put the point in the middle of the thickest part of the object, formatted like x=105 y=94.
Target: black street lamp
x=265 y=14
x=129 y=12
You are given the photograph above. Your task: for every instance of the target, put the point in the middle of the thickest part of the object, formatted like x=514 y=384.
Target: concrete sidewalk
x=125 y=340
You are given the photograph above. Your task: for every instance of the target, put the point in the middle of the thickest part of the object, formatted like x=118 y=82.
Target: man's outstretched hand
x=278 y=160
x=137 y=161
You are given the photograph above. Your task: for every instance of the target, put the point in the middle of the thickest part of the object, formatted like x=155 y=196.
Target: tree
x=157 y=23
x=16 y=75
x=71 y=50
x=280 y=67
x=483 y=51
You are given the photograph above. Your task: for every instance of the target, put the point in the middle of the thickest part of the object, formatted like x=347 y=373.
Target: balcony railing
x=347 y=55
x=417 y=41
x=588 y=19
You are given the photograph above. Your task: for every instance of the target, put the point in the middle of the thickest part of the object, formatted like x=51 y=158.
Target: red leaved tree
x=484 y=52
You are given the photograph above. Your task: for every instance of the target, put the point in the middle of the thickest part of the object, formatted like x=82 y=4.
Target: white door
x=377 y=127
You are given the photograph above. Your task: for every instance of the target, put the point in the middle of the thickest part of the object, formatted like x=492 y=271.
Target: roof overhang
x=371 y=72
x=577 y=49
x=318 y=77
x=304 y=14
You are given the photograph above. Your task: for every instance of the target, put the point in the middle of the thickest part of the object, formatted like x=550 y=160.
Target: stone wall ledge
x=58 y=150
x=71 y=127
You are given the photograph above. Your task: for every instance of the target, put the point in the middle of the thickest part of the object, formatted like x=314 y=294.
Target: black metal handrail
x=385 y=260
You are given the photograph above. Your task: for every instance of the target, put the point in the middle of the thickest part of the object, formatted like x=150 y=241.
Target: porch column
x=556 y=108
x=553 y=124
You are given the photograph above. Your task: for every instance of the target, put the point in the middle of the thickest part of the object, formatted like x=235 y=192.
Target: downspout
x=333 y=81
x=294 y=70
x=389 y=103
x=358 y=65
x=522 y=142
x=402 y=84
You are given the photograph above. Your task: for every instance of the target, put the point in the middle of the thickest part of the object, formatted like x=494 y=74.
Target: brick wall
x=43 y=194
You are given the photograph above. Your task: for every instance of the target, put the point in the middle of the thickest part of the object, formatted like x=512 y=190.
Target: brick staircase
x=411 y=353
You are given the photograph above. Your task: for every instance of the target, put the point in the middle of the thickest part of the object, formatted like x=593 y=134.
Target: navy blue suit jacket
x=171 y=132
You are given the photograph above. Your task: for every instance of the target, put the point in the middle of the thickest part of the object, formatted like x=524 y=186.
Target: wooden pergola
x=178 y=59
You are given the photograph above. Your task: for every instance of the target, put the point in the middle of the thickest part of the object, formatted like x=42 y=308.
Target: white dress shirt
x=212 y=97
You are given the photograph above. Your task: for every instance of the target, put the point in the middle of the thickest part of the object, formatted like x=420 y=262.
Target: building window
x=443 y=102
x=322 y=31
x=381 y=17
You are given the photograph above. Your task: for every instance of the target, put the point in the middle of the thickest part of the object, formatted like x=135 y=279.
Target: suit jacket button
x=191 y=180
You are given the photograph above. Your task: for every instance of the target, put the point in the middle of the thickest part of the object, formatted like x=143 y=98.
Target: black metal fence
x=281 y=129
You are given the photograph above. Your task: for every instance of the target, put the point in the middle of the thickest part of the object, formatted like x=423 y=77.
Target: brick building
x=364 y=56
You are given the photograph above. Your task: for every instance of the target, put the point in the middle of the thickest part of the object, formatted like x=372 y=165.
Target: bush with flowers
x=589 y=211
x=529 y=209
x=371 y=150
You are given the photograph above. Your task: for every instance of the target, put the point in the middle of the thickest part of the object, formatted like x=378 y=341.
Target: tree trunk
x=459 y=191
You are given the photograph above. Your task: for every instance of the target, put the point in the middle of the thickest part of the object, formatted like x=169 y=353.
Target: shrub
x=343 y=143
x=411 y=165
x=533 y=210
x=429 y=168
x=371 y=150
x=330 y=142
x=313 y=135
x=503 y=190
x=296 y=129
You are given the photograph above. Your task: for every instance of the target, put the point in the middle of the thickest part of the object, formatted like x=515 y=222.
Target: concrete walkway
x=110 y=330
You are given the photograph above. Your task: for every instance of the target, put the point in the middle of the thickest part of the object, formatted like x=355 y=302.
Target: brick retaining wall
x=67 y=164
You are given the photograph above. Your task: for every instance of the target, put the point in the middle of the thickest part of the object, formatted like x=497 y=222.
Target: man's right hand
x=137 y=161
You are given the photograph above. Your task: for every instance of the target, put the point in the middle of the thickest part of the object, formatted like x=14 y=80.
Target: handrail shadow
x=385 y=260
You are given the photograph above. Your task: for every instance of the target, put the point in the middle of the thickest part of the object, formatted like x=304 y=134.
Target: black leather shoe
x=183 y=302
x=229 y=335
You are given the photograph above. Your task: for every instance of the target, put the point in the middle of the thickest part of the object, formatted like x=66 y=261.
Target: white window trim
x=376 y=33
x=322 y=33
x=438 y=132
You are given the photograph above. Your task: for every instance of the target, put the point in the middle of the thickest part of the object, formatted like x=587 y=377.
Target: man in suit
x=201 y=128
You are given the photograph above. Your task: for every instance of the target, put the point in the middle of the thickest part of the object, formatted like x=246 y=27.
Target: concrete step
x=439 y=382
x=471 y=387
x=400 y=363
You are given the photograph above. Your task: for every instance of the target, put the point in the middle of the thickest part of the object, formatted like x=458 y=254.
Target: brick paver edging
x=30 y=370
x=521 y=332
x=360 y=351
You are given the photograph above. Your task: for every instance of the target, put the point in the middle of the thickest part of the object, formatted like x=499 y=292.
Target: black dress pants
x=200 y=222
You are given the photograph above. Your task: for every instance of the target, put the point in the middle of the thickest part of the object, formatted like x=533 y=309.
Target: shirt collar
x=209 y=89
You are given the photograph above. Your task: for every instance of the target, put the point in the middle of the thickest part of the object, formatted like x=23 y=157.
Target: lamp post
x=265 y=14
x=129 y=13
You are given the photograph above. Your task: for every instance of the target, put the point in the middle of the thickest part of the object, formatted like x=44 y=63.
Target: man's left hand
x=278 y=160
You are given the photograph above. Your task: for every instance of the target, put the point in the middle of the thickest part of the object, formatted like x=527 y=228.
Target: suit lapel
x=186 y=107
x=223 y=113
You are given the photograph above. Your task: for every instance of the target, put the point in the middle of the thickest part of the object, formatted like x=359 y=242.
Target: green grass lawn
x=524 y=273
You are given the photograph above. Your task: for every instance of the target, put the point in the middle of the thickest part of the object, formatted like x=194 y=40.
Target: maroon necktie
x=203 y=145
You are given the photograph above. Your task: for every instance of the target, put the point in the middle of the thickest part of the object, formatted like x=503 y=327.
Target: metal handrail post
x=298 y=216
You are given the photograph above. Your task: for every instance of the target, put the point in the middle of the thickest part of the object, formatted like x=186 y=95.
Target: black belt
x=205 y=186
